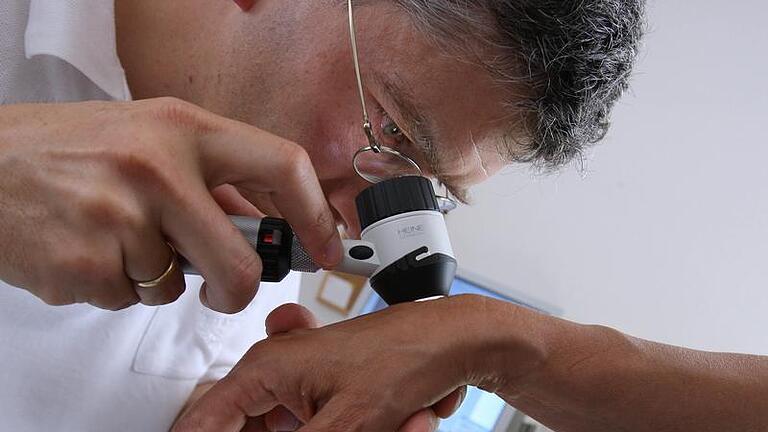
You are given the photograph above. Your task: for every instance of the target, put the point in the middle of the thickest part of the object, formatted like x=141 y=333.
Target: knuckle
x=257 y=356
x=323 y=220
x=102 y=209
x=182 y=114
x=79 y=273
x=133 y=219
x=150 y=167
x=352 y=419
x=171 y=106
x=116 y=307
x=55 y=297
x=297 y=163
x=138 y=164
x=92 y=270
x=174 y=292
x=259 y=377
x=167 y=295
x=84 y=269
x=111 y=302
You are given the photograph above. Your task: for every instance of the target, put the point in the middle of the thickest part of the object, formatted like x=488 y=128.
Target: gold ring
x=169 y=271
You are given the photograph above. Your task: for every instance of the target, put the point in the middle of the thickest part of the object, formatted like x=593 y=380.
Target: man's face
x=445 y=114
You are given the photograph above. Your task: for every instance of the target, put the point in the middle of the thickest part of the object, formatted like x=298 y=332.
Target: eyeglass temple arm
x=375 y=146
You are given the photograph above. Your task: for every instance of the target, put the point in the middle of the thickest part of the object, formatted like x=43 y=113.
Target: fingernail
x=332 y=253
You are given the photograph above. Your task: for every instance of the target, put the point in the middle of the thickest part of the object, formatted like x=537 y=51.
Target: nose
x=341 y=195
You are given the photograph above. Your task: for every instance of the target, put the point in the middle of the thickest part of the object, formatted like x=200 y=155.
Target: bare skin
x=571 y=377
x=93 y=192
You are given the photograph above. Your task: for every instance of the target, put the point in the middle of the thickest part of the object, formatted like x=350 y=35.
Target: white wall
x=667 y=236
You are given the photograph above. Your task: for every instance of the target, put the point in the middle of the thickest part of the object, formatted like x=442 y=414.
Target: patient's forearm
x=596 y=379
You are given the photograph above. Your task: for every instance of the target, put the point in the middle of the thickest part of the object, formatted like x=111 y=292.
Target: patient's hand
x=368 y=374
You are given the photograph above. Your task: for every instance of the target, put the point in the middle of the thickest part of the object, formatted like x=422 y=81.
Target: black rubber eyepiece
x=393 y=197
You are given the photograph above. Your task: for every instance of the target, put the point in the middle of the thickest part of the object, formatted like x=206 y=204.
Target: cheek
x=330 y=116
x=331 y=147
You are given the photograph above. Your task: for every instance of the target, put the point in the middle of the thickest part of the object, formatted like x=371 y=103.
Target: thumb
x=423 y=421
x=451 y=403
x=289 y=317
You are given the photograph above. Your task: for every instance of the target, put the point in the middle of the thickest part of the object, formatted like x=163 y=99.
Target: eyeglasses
x=375 y=162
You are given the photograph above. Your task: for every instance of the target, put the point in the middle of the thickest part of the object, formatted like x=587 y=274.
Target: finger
x=146 y=257
x=340 y=414
x=423 y=421
x=226 y=408
x=451 y=403
x=205 y=235
x=106 y=286
x=166 y=291
x=257 y=162
x=281 y=419
x=114 y=294
x=230 y=200
x=263 y=202
x=256 y=424
x=289 y=317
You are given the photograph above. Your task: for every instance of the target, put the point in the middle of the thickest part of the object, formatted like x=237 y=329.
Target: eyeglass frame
x=447 y=204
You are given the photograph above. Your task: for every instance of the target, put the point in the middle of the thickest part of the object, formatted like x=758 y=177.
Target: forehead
x=460 y=99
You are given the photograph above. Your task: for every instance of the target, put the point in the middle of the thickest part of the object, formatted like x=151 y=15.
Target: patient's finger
x=222 y=410
x=427 y=420
x=281 y=419
x=451 y=403
x=289 y=317
x=423 y=421
x=256 y=424
x=284 y=319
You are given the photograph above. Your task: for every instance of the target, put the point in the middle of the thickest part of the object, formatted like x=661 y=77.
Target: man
x=99 y=198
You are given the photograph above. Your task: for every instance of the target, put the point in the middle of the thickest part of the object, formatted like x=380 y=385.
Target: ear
x=245 y=5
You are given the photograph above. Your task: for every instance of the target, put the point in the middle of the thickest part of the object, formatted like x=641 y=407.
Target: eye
x=392 y=130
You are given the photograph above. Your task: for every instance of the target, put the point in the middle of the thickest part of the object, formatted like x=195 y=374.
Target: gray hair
x=565 y=63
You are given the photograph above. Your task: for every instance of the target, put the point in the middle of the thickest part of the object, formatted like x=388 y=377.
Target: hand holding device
x=92 y=192
x=404 y=247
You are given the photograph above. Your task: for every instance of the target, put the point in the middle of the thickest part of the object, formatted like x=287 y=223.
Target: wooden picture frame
x=340 y=291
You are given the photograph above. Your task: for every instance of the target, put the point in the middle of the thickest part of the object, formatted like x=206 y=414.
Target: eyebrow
x=421 y=127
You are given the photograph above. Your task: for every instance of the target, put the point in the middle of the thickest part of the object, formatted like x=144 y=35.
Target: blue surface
x=480 y=411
